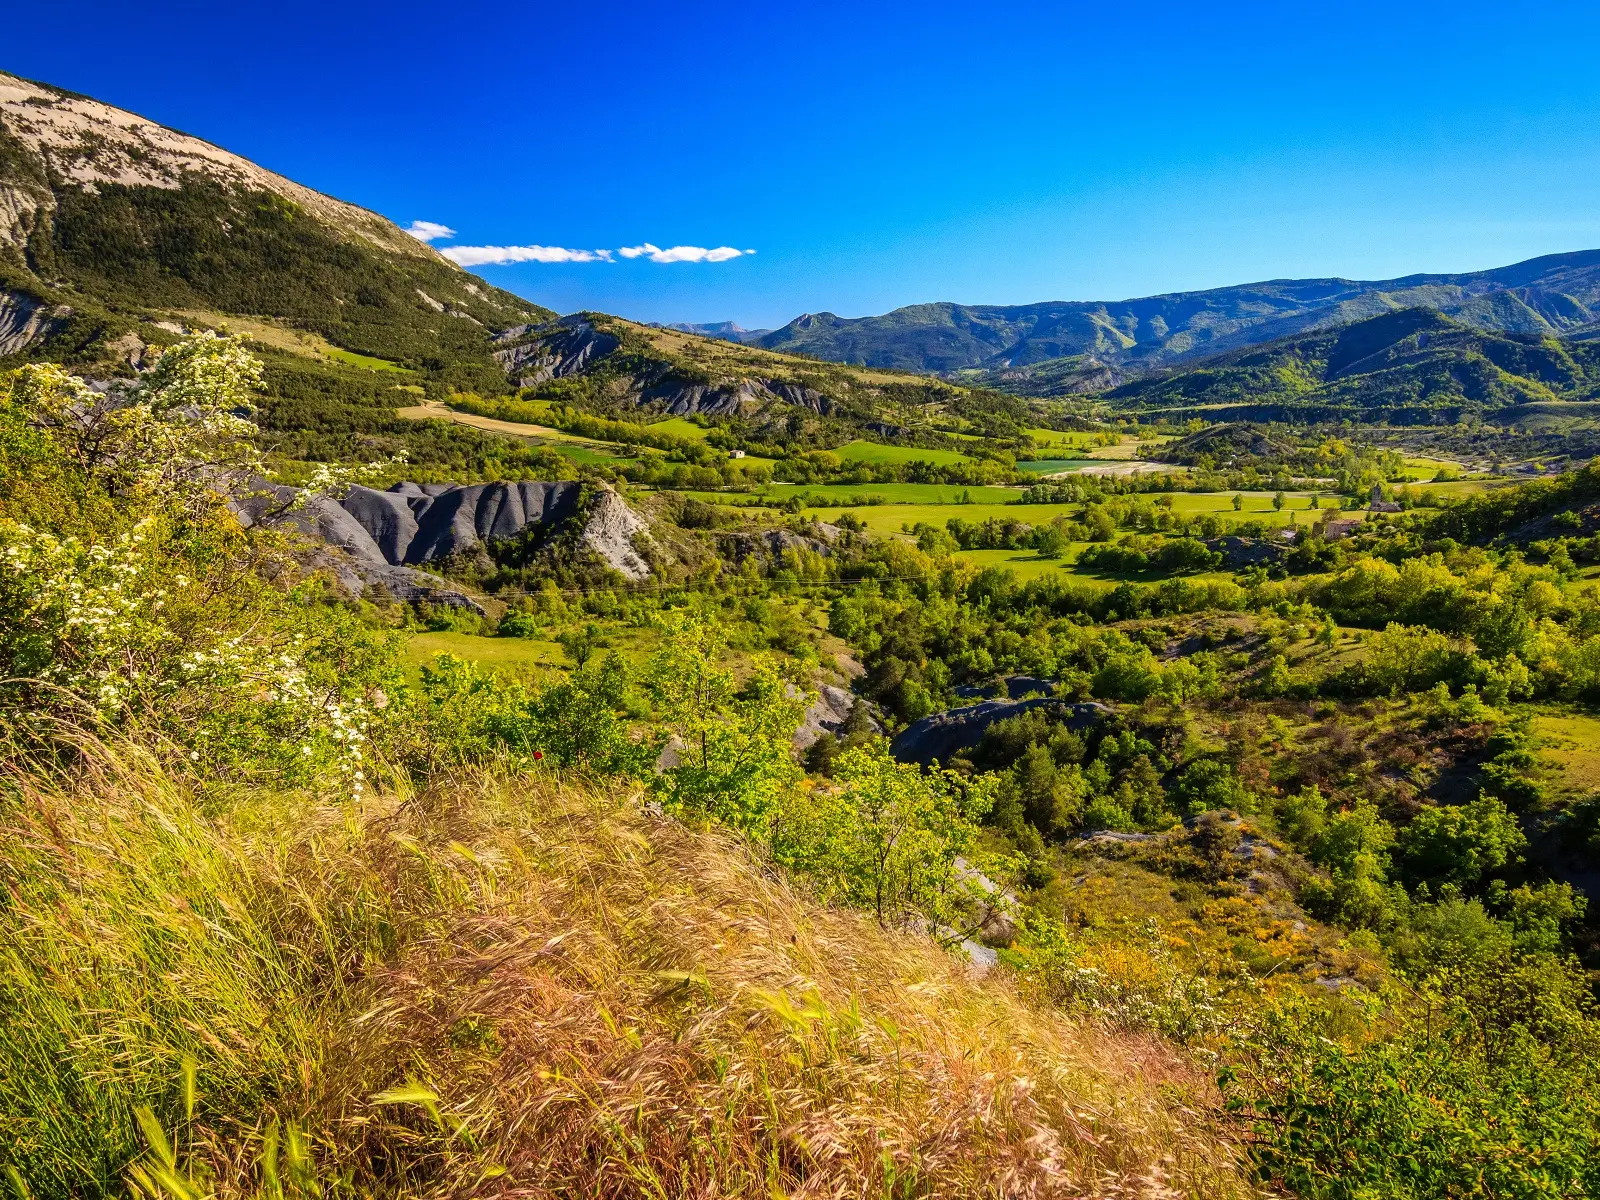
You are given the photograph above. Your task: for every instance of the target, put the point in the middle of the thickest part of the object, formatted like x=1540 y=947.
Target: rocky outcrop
x=361 y=567
x=1249 y=552
x=771 y=543
x=1010 y=687
x=386 y=535
x=798 y=395
x=827 y=714
x=612 y=531
x=417 y=523
x=535 y=354
x=24 y=321
x=943 y=735
x=420 y=523
x=572 y=345
x=682 y=399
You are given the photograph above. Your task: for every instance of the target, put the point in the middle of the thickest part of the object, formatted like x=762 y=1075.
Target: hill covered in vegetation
x=1543 y=296
x=1415 y=366
x=117 y=228
x=1265 y=890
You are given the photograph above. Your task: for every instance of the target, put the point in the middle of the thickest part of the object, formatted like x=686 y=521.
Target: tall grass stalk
x=510 y=985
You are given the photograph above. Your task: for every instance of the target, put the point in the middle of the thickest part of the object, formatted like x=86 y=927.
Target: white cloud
x=430 y=231
x=677 y=254
x=483 y=256
x=480 y=256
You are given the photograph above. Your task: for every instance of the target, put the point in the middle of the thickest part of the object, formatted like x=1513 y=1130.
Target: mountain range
x=1407 y=367
x=728 y=331
x=1011 y=344
x=117 y=234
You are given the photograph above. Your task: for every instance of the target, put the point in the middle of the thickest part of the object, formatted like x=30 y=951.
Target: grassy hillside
x=758 y=400
x=1266 y=886
x=530 y=984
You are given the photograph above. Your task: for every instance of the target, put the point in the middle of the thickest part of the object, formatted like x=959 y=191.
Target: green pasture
x=1050 y=466
x=488 y=651
x=1052 y=439
x=1256 y=504
x=876 y=452
x=1571 y=750
x=1419 y=468
x=589 y=455
x=1464 y=487
x=895 y=518
x=1025 y=564
x=898 y=518
x=679 y=427
x=352 y=359
x=897 y=493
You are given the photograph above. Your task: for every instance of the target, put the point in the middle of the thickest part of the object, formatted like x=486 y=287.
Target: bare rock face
x=23 y=321
x=415 y=524
x=682 y=399
x=385 y=536
x=832 y=709
x=418 y=523
x=771 y=543
x=362 y=565
x=412 y=523
x=611 y=531
x=557 y=349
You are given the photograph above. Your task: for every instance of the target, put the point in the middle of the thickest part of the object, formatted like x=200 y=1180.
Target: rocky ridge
x=939 y=736
x=386 y=535
x=532 y=354
x=88 y=143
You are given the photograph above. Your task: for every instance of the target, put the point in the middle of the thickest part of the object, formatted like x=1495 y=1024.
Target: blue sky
x=880 y=154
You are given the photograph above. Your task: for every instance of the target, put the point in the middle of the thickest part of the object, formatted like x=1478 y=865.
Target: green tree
x=1049 y=541
x=732 y=747
x=582 y=722
x=896 y=839
x=1459 y=844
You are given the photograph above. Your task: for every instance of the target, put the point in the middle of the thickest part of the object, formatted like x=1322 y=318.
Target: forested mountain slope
x=1553 y=294
x=115 y=230
x=118 y=235
x=1411 y=366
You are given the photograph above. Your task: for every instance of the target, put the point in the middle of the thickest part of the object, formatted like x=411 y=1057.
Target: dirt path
x=430 y=410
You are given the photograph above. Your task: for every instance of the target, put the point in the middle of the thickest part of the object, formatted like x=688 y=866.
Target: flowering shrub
x=145 y=606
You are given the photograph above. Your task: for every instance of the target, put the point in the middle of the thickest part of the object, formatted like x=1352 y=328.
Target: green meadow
x=352 y=359
x=679 y=427
x=1049 y=466
x=491 y=651
x=899 y=493
x=875 y=452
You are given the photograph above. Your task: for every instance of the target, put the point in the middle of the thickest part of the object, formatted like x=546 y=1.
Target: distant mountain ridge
x=728 y=331
x=1555 y=294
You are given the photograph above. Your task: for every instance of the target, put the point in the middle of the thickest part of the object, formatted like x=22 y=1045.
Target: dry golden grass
x=629 y=1007
x=516 y=987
